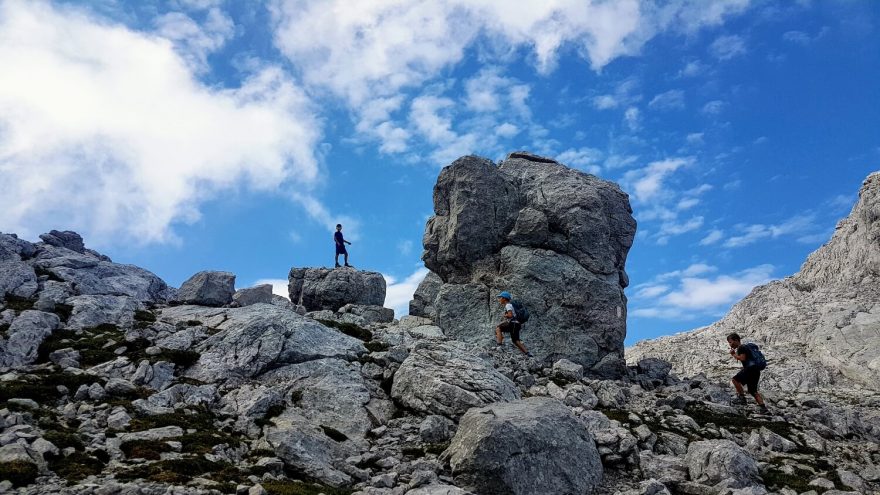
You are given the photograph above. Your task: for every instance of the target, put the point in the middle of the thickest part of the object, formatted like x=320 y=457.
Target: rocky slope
x=113 y=382
x=820 y=328
x=555 y=237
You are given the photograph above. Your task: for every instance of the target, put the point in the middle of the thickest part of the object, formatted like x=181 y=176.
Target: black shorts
x=512 y=328
x=749 y=377
x=341 y=250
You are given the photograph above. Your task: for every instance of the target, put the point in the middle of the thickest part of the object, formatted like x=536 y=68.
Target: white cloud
x=632 y=117
x=695 y=294
x=625 y=93
x=398 y=294
x=692 y=69
x=279 y=286
x=507 y=130
x=727 y=47
x=195 y=41
x=713 y=107
x=107 y=130
x=648 y=183
x=651 y=291
x=799 y=37
x=670 y=100
x=361 y=51
x=687 y=203
x=712 y=237
x=405 y=247
x=695 y=138
x=800 y=226
x=322 y=215
x=620 y=161
x=583 y=158
x=490 y=92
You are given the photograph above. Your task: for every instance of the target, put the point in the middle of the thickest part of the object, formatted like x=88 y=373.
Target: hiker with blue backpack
x=515 y=315
x=753 y=362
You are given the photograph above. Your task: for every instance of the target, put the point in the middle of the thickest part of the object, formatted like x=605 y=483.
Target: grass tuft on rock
x=287 y=487
x=203 y=442
x=147 y=316
x=173 y=470
x=19 y=473
x=201 y=420
x=376 y=346
x=43 y=387
x=64 y=438
x=145 y=449
x=77 y=466
x=349 y=329
x=19 y=304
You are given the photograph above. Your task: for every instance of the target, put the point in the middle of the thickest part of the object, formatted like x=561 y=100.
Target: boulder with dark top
x=323 y=288
x=66 y=239
x=529 y=446
x=555 y=237
x=207 y=288
x=253 y=295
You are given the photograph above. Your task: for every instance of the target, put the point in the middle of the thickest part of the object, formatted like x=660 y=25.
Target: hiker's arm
x=508 y=314
x=739 y=357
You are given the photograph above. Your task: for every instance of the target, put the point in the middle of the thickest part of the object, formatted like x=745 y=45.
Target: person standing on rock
x=511 y=324
x=753 y=362
x=340 y=245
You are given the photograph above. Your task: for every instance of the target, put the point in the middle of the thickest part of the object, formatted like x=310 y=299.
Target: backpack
x=758 y=360
x=522 y=314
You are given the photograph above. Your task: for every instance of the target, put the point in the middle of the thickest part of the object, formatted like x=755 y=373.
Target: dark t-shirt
x=339 y=240
x=744 y=350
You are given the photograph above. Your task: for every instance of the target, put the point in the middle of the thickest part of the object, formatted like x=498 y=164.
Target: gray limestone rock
x=17 y=279
x=208 y=288
x=66 y=239
x=817 y=328
x=257 y=338
x=713 y=461
x=93 y=310
x=436 y=429
x=253 y=295
x=534 y=445
x=555 y=237
x=24 y=336
x=13 y=248
x=369 y=314
x=446 y=378
x=324 y=288
x=438 y=489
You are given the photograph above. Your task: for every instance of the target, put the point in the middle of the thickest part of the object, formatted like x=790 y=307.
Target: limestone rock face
x=555 y=237
x=443 y=377
x=323 y=288
x=253 y=295
x=529 y=446
x=816 y=328
x=27 y=332
x=712 y=461
x=207 y=289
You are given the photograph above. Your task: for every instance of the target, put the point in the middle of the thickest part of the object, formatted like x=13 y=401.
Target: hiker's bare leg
x=521 y=346
x=499 y=337
x=337 y=259
x=759 y=399
x=346 y=258
x=738 y=386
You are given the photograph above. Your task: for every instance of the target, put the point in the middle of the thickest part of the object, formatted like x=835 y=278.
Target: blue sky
x=184 y=135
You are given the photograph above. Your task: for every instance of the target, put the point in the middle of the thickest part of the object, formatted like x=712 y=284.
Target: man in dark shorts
x=340 y=245
x=510 y=324
x=749 y=375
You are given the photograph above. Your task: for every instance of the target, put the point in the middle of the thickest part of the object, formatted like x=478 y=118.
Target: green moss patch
x=43 y=387
x=615 y=414
x=376 y=346
x=64 y=311
x=202 y=420
x=739 y=423
x=203 y=442
x=776 y=479
x=301 y=488
x=77 y=466
x=4 y=330
x=141 y=315
x=64 y=438
x=349 y=329
x=144 y=449
x=19 y=304
x=92 y=344
x=20 y=473
x=173 y=470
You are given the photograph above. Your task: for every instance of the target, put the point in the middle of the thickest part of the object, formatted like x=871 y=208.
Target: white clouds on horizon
x=398 y=293
x=108 y=131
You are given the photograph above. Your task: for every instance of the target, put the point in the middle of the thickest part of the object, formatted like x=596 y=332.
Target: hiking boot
x=349 y=265
x=740 y=400
x=529 y=354
x=338 y=265
x=762 y=408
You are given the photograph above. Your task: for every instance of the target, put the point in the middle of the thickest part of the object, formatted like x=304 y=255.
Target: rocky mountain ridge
x=112 y=382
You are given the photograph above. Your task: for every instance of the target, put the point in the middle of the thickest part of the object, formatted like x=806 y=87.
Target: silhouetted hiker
x=515 y=315
x=340 y=245
x=753 y=362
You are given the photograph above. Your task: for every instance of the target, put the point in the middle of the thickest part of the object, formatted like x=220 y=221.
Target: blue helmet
x=505 y=295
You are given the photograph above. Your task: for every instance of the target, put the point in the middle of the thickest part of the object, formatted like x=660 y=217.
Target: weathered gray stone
x=13 y=248
x=713 y=461
x=66 y=358
x=119 y=386
x=370 y=314
x=258 y=338
x=528 y=446
x=422 y=303
x=435 y=429
x=567 y=370
x=208 y=288
x=554 y=237
x=253 y=295
x=17 y=279
x=654 y=368
x=24 y=336
x=93 y=310
x=437 y=489
x=324 y=288
x=445 y=378
x=66 y=239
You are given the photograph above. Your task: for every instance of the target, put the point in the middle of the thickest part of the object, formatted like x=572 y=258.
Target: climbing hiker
x=340 y=245
x=753 y=362
x=515 y=315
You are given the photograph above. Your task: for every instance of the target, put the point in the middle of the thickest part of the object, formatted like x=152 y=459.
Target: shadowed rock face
x=555 y=237
x=818 y=327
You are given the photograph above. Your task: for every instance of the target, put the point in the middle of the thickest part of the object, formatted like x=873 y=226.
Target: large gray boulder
x=207 y=288
x=324 y=288
x=531 y=446
x=555 y=237
x=712 y=461
x=252 y=340
x=24 y=336
x=13 y=248
x=253 y=295
x=17 y=279
x=818 y=328
x=66 y=239
x=444 y=377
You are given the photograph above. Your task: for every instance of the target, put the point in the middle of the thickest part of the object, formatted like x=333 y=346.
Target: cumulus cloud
x=362 y=51
x=108 y=131
x=632 y=117
x=713 y=107
x=800 y=226
x=584 y=158
x=648 y=183
x=727 y=47
x=696 y=293
x=398 y=293
x=194 y=40
x=712 y=237
x=670 y=100
x=279 y=286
